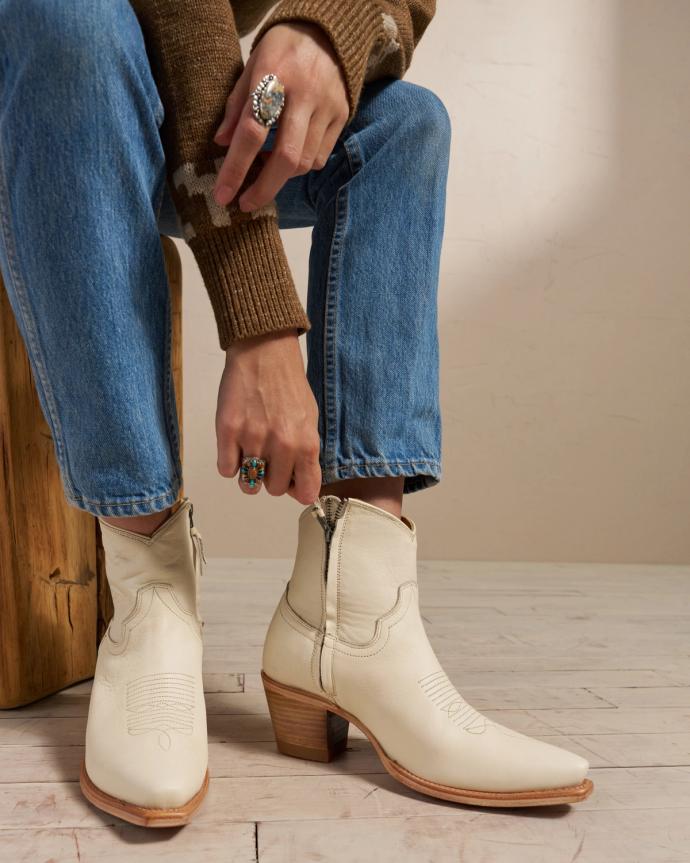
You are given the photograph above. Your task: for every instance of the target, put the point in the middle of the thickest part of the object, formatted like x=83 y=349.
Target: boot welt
x=309 y=726
x=142 y=816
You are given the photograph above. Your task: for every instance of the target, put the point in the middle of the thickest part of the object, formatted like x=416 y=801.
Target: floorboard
x=595 y=658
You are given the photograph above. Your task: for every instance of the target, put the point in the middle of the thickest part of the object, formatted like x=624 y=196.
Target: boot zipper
x=198 y=552
x=199 y=543
x=328 y=525
x=328 y=522
x=196 y=537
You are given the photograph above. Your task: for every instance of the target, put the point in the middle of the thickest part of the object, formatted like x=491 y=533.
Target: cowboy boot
x=347 y=644
x=146 y=746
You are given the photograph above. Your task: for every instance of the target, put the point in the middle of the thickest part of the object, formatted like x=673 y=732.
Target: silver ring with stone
x=268 y=98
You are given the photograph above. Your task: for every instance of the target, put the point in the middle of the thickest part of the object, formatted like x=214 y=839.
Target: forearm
x=196 y=60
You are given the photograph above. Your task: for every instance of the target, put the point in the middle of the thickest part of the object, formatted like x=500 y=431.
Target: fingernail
x=223 y=195
x=222 y=129
x=246 y=205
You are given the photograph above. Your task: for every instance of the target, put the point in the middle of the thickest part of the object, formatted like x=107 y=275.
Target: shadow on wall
x=565 y=300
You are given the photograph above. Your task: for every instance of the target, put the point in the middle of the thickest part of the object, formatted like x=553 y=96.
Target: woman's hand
x=315 y=112
x=266 y=408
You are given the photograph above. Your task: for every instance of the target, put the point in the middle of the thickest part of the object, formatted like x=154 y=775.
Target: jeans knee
x=428 y=112
x=68 y=38
x=410 y=113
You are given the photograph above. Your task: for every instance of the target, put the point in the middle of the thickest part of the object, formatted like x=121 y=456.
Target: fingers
x=252 y=444
x=307 y=474
x=305 y=139
x=291 y=466
x=281 y=458
x=327 y=144
x=302 y=144
x=234 y=442
x=315 y=152
x=284 y=161
x=229 y=454
x=233 y=109
x=248 y=137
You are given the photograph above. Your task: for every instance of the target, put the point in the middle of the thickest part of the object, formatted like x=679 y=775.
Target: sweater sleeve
x=195 y=56
x=371 y=38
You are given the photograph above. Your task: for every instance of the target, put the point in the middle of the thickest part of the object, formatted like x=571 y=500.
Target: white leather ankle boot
x=146 y=746
x=347 y=644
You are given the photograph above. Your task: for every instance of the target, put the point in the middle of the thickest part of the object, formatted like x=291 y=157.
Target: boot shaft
x=170 y=557
x=352 y=559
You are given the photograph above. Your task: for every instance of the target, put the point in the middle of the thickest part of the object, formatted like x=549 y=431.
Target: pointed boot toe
x=347 y=644
x=146 y=754
x=559 y=768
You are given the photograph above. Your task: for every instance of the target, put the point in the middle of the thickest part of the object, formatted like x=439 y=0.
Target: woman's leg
x=377 y=208
x=81 y=176
x=347 y=641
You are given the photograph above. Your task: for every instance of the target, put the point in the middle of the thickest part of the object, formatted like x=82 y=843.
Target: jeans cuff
x=418 y=474
x=131 y=507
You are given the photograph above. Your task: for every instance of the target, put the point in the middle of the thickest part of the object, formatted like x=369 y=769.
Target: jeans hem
x=131 y=506
x=418 y=475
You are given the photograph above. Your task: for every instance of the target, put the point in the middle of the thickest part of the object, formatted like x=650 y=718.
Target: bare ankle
x=386 y=492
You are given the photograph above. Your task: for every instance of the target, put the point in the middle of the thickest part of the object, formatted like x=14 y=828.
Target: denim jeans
x=83 y=199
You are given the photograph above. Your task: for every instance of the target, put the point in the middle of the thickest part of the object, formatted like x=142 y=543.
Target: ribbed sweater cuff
x=248 y=280
x=352 y=33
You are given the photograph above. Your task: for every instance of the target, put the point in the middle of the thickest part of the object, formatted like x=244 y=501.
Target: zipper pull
x=199 y=546
x=198 y=553
x=320 y=515
x=327 y=524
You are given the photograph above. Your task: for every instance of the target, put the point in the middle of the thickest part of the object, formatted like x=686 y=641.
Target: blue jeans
x=83 y=199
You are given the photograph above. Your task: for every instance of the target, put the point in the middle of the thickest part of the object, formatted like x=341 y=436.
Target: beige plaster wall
x=564 y=296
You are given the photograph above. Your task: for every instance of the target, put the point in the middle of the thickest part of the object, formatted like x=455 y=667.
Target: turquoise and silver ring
x=268 y=98
x=252 y=470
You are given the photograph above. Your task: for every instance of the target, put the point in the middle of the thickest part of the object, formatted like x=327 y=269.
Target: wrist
x=253 y=343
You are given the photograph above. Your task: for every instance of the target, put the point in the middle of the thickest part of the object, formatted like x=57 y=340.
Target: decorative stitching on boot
x=313 y=663
x=441 y=692
x=293 y=620
x=140 y=611
x=306 y=630
x=384 y=625
x=161 y=703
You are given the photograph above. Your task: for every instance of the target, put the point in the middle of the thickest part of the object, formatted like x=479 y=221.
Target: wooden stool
x=54 y=598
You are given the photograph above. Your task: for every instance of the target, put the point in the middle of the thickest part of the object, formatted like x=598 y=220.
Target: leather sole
x=141 y=815
x=308 y=726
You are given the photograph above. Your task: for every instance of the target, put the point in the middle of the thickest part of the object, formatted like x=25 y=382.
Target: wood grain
x=620 y=700
x=53 y=592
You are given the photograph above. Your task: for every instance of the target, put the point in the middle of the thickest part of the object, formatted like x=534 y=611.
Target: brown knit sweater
x=193 y=47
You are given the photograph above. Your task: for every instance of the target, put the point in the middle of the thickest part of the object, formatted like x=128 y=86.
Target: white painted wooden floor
x=593 y=658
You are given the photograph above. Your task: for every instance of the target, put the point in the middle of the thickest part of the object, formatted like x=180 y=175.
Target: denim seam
x=338 y=466
x=31 y=331
x=168 y=384
x=330 y=322
x=416 y=481
x=342 y=198
x=353 y=151
x=127 y=502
